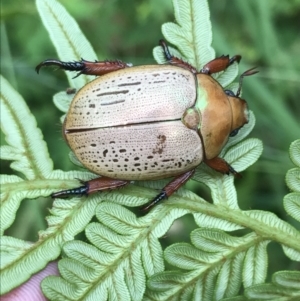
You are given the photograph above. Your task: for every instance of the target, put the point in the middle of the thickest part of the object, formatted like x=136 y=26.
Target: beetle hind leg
x=169 y=189
x=92 y=186
x=85 y=67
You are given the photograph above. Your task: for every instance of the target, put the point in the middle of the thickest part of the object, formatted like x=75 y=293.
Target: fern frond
x=192 y=35
x=67 y=220
x=125 y=251
x=295 y=152
x=214 y=255
x=285 y=286
x=292 y=205
x=26 y=146
x=293 y=179
x=291 y=201
x=192 y=32
x=62 y=101
x=66 y=36
x=28 y=151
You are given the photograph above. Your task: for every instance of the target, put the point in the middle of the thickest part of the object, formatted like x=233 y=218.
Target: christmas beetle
x=150 y=122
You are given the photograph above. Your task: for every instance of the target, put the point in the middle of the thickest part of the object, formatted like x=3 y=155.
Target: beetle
x=150 y=122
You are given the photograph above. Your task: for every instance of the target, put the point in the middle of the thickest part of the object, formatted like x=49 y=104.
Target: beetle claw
x=233 y=171
x=81 y=181
x=82 y=190
x=161 y=196
x=79 y=73
x=50 y=62
x=38 y=67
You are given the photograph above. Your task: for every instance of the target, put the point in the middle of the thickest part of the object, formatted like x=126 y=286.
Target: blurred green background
x=266 y=33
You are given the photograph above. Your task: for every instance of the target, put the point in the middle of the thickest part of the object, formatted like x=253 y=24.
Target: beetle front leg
x=170 y=188
x=219 y=64
x=220 y=165
x=92 y=186
x=85 y=67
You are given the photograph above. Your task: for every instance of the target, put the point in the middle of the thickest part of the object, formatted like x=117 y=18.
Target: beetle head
x=240 y=114
x=221 y=115
x=239 y=108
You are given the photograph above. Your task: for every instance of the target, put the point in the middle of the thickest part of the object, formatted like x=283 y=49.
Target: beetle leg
x=170 y=188
x=173 y=60
x=92 y=186
x=219 y=64
x=85 y=67
x=220 y=165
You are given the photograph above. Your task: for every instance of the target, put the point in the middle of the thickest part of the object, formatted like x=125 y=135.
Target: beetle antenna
x=246 y=73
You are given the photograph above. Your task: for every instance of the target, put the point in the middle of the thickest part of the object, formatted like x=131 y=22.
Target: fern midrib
x=130 y=248
x=76 y=54
x=38 y=184
x=238 y=217
x=197 y=62
x=26 y=145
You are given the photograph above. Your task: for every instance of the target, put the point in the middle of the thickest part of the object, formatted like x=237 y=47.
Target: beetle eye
x=229 y=93
x=234 y=132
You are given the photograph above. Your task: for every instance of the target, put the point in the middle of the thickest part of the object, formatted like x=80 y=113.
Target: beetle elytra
x=150 y=122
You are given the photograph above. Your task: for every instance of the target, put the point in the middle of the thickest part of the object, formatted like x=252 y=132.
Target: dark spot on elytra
x=129 y=84
x=160 y=145
x=92 y=105
x=105 y=152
